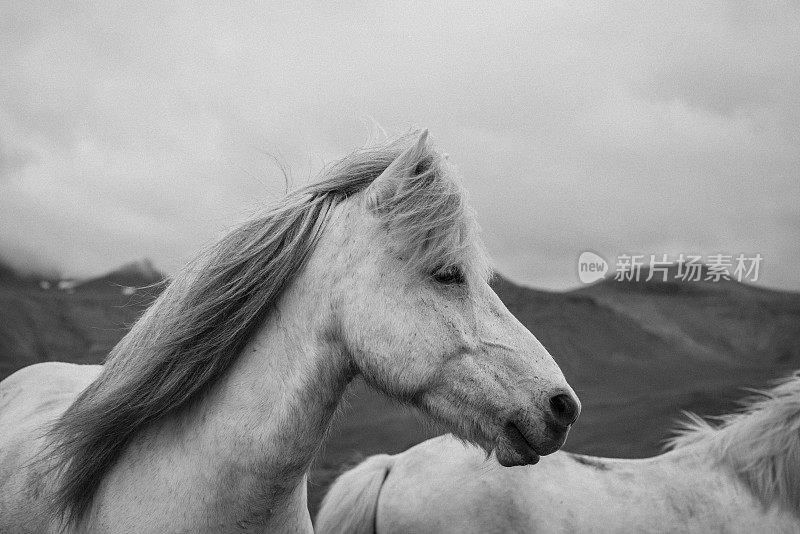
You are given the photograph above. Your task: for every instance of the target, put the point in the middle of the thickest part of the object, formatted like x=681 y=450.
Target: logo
x=665 y=267
x=591 y=267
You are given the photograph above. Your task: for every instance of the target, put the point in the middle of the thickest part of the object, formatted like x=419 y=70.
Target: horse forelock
x=427 y=214
x=430 y=222
x=199 y=324
x=761 y=443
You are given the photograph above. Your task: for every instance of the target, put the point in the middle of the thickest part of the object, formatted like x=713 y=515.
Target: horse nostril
x=565 y=408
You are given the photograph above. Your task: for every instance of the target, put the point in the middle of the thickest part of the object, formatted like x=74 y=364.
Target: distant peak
x=143 y=268
x=138 y=273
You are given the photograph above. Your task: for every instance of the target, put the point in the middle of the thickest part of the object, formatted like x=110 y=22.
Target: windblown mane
x=197 y=327
x=761 y=443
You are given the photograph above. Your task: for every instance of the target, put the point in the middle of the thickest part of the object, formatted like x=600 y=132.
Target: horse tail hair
x=351 y=504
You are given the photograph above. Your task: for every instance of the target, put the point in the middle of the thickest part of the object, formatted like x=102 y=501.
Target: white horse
x=740 y=476
x=207 y=415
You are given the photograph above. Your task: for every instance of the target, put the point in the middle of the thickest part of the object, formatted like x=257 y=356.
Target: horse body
x=443 y=486
x=743 y=476
x=208 y=414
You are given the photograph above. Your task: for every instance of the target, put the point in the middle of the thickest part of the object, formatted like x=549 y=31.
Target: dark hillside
x=80 y=325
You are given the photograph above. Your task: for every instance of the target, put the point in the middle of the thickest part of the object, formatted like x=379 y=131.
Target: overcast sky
x=130 y=132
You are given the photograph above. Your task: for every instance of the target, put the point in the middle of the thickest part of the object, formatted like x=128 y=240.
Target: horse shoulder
x=443 y=485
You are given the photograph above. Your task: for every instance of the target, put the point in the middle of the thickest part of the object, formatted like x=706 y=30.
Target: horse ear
x=403 y=167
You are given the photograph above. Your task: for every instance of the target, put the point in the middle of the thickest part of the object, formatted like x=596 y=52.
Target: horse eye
x=449 y=275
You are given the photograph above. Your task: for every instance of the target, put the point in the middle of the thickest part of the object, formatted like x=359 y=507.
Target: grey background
x=668 y=127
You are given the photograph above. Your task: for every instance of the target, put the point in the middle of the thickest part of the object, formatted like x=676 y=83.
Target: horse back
x=30 y=400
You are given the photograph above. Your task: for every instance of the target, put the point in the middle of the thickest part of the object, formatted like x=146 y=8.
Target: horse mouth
x=514 y=449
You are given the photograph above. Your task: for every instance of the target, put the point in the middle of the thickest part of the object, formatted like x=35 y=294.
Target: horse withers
x=208 y=413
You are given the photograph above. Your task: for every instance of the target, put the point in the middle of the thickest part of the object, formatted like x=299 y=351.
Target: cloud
x=668 y=127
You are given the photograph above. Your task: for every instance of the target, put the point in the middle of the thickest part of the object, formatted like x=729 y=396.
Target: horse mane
x=760 y=443
x=196 y=328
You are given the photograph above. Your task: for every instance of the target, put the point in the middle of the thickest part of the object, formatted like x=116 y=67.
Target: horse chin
x=513 y=449
x=510 y=446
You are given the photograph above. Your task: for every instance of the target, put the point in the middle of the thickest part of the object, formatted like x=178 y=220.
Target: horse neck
x=258 y=429
x=280 y=396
